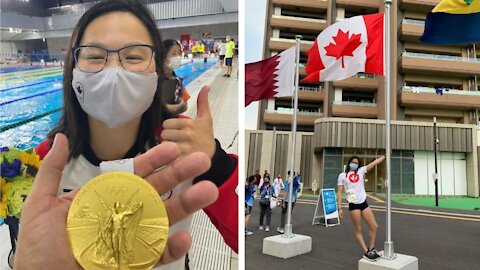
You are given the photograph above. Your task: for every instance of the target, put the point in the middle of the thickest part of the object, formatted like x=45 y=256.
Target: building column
x=472 y=166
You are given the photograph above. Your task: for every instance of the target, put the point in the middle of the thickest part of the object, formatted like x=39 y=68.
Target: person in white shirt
x=278 y=185
x=221 y=50
x=353 y=182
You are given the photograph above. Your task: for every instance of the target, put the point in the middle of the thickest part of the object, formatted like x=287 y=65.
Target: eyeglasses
x=93 y=59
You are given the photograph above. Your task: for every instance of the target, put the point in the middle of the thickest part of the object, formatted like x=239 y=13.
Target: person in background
x=249 y=200
x=258 y=179
x=230 y=49
x=278 y=185
x=266 y=192
x=173 y=60
x=221 y=50
x=265 y=174
x=296 y=185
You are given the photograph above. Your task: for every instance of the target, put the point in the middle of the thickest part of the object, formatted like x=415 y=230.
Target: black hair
x=168 y=44
x=347 y=168
x=74 y=121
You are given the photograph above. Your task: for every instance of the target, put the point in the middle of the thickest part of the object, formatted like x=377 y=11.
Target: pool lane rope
x=32 y=84
x=26 y=121
x=28 y=97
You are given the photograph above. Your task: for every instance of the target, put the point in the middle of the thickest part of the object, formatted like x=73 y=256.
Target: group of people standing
x=225 y=49
x=351 y=182
x=268 y=194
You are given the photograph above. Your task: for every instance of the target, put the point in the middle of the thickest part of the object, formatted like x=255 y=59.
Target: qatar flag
x=346 y=48
x=269 y=78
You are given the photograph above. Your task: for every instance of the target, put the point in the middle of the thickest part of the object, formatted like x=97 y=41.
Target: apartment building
x=346 y=117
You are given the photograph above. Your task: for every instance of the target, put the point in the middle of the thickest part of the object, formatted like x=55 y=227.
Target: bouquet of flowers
x=17 y=172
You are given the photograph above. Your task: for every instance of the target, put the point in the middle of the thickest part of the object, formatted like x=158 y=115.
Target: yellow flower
x=29 y=159
x=3 y=204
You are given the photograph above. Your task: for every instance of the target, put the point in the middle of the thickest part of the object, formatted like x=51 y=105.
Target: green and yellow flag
x=453 y=22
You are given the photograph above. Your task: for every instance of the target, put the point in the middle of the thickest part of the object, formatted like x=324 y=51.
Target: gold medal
x=117 y=221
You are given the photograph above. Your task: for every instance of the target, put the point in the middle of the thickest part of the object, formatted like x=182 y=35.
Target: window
x=357 y=96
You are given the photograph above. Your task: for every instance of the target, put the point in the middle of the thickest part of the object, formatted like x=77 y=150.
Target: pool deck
x=223 y=98
x=223 y=101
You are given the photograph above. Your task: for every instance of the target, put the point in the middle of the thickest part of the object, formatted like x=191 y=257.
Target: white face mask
x=174 y=62
x=114 y=95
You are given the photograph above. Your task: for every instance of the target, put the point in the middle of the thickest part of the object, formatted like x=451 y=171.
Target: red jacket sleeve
x=42 y=149
x=224 y=211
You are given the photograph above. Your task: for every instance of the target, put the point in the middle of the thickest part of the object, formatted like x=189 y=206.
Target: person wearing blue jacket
x=266 y=192
x=296 y=186
x=249 y=199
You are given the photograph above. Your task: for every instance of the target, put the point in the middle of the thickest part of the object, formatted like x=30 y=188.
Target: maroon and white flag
x=269 y=78
x=346 y=48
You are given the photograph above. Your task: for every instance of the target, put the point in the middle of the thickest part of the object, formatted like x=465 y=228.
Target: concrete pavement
x=438 y=242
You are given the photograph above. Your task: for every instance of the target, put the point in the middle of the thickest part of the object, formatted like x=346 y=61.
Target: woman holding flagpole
x=353 y=182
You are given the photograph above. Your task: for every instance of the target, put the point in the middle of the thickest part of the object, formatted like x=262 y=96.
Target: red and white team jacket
x=224 y=173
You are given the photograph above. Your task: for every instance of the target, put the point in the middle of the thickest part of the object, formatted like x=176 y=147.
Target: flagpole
x=476 y=83
x=288 y=227
x=388 y=252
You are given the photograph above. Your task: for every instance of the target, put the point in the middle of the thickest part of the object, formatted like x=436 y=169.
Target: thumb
x=48 y=178
x=203 y=109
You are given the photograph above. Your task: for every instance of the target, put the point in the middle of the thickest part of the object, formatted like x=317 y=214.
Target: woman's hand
x=43 y=241
x=193 y=135
x=340 y=212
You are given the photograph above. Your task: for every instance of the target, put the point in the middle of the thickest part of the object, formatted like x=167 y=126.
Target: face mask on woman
x=114 y=95
x=174 y=62
x=353 y=166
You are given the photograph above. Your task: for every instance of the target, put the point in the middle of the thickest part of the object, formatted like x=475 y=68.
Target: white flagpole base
x=401 y=262
x=287 y=247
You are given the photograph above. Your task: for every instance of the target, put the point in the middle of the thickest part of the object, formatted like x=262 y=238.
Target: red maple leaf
x=344 y=45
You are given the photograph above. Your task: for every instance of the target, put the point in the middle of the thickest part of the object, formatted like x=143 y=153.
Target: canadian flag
x=269 y=78
x=346 y=48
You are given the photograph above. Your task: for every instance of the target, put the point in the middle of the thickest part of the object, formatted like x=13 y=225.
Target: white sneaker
x=261 y=227
x=280 y=230
x=267 y=229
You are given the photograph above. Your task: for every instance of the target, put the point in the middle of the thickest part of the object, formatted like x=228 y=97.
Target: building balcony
x=310 y=4
x=280 y=44
x=309 y=94
x=365 y=82
x=431 y=97
x=303 y=24
x=354 y=109
x=373 y=4
x=418 y=5
x=411 y=30
x=285 y=117
x=430 y=64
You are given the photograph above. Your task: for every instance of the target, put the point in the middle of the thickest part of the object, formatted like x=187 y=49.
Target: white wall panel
x=460 y=167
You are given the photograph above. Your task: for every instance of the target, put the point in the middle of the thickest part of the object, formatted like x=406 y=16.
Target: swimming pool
x=31 y=101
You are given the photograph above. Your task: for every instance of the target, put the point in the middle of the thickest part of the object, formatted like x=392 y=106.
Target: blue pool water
x=31 y=99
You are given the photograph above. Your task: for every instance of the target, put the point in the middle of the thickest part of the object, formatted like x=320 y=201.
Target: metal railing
x=310 y=88
x=430 y=90
x=290 y=112
x=299 y=18
x=354 y=103
x=412 y=21
x=365 y=75
x=440 y=57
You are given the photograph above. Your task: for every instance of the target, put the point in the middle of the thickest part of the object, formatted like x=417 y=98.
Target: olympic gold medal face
x=117 y=221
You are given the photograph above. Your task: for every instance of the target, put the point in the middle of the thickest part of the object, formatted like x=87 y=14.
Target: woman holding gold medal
x=353 y=182
x=113 y=111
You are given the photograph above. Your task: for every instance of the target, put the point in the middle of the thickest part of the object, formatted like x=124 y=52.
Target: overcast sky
x=254 y=30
